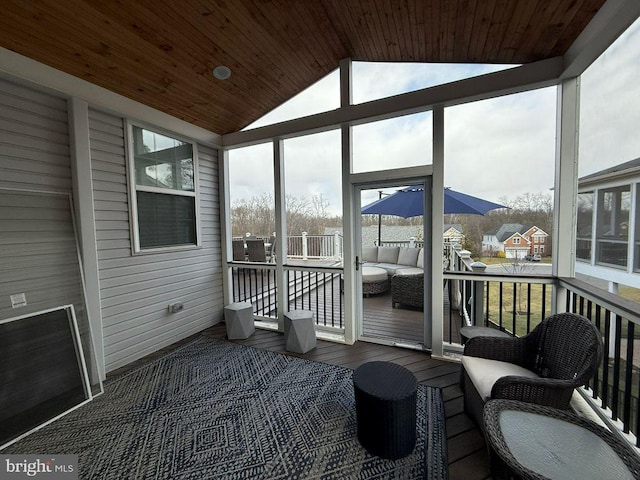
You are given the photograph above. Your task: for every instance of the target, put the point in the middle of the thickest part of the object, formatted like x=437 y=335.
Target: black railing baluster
x=605 y=356
x=486 y=305
x=236 y=294
x=500 y=306
x=615 y=394
x=528 y=308
x=544 y=303
x=596 y=376
x=513 y=310
x=628 y=378
x=637 y=424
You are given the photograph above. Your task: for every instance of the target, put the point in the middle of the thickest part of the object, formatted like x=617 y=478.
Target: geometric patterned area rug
x=217 y=410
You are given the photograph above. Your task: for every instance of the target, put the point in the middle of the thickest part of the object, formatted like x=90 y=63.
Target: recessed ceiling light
x=221 y=72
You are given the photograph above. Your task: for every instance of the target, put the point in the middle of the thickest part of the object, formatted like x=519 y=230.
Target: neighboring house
x=453 y=233
x=607 y=225
x=515 y=240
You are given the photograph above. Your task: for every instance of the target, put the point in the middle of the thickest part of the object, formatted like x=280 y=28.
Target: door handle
x=358 y=263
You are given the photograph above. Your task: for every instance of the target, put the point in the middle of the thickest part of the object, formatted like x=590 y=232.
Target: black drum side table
x=385 y=395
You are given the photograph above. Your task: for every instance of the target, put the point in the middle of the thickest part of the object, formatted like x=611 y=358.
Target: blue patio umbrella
x=409 y=202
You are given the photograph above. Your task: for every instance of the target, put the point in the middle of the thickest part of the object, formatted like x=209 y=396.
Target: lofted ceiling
x=162 y=52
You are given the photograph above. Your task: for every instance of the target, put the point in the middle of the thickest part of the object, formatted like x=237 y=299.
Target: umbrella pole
x=379 y=221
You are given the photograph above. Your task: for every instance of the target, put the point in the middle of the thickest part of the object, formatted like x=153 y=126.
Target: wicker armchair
x=407 y=290
x=543 y=367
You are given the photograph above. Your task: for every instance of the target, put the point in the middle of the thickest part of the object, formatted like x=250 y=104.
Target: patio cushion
x=409 y=271
x=391 y=268
x=388 y=254
x=373 y=274
x=370 y=254
x=420 y=261
x=408 y=256
x=484 y=373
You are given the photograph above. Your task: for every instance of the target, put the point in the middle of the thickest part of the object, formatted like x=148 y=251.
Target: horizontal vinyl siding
x=38 y=253
x=34 y=140
x=136 y=289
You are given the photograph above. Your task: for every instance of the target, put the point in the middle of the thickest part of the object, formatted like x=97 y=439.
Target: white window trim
x=133 y=188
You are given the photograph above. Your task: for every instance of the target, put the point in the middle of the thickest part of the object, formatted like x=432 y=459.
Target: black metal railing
x=615 y=388
x=517 y=303
x=320 y=291
x=258 y=285
x=511 y=303
x=316 y=289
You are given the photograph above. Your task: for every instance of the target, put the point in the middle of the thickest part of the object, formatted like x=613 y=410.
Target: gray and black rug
x=217 y=410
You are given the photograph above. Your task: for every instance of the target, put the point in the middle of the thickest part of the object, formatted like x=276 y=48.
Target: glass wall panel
x=584 y=226
x=609 y=113
x=374 y=80
x=503 y=150
x=322 y=96
x=313 y=186
x=396 y=143
x=251 y=193
x=613 y=225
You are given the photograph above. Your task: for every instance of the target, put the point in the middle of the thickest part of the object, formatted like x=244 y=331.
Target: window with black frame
x=584 y=226
x=164 y=190
x=612 y=226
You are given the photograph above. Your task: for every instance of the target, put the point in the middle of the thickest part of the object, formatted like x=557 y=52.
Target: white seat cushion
x=484 y=373
x=409 y=271
x=390 y=268
x=373 y=274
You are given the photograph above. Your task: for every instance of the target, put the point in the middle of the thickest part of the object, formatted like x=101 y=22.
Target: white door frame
x=388 y=178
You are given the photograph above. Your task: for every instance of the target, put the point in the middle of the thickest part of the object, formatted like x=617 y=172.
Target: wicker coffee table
x=537 y=442
x=374 y=280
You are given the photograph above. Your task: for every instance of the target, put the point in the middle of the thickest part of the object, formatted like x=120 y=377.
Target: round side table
x=385 y=395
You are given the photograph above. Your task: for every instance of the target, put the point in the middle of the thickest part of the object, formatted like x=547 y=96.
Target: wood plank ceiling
x=162 y=52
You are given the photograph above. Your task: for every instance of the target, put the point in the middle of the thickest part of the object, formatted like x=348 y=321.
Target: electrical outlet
x=175 y=307
x=18 y=300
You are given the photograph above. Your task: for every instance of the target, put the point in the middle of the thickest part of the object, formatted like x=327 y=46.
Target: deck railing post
x=478 y=295
x=337 y=247
x=305 y=247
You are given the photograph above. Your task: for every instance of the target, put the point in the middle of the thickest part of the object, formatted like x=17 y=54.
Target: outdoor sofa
x=404 y=265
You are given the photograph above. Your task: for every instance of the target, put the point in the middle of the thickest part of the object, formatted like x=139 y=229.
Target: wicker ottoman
x=385 y=395
x=374 y=280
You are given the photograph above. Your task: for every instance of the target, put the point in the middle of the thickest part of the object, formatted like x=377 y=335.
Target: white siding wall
x=34 y=140
x=38 y=255
x=136 y=289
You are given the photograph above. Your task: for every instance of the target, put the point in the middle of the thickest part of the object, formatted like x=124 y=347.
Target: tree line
x=256 y=215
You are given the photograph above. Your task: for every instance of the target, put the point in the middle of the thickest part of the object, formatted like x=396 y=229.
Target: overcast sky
x=496 y=148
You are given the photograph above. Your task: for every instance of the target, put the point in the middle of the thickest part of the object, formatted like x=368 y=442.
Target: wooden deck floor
x=468 y=459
